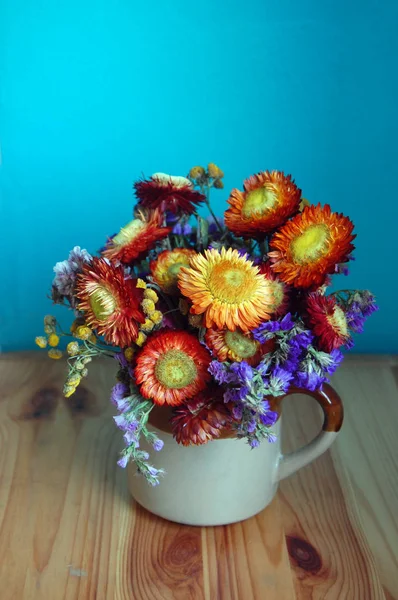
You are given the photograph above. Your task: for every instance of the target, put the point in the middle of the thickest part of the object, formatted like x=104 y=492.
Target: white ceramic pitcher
x=225 y=481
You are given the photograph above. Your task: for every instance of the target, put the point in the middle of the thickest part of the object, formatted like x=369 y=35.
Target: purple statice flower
x=219 y=371
x=171 y=218
x=287 y=322
x=272 y=438
x=237 y=411
x=355 y=318
x=119 y=391
x=254 y=443
x=131 y=438
x=269 y=418
x=123 y=405
x=158 y=445
x=66 y=271
x=251 y=426
x=122 y=360
x=213 y=228
x=126 y=424
x=280 y=379
x=309 y=380
x=263 y=331
x=182 y=229
x=336 y=357
x=236 y=394
x=366 y=302
x=123 y=461
x=242 y=370
x=296 y=347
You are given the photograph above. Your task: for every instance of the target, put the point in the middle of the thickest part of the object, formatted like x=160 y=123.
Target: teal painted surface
x=95 y=93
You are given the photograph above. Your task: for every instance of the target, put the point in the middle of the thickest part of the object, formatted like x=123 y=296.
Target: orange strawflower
x=227 y=289
x=235 y=346
x=135 y=239
x=110 y=303
x=268 y=200
x=171 y=367
x=166 y=267
x=307 y=248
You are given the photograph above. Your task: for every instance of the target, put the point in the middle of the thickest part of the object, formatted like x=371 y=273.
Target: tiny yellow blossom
x=156 y=317
x=214 y=171
x=218 y=184
x=48 y=329
x=79 y=365
x=196 y=172
x=83 y=332
x=53 y=340
x=147 y=326
x=141 y=284
x=141 y=339
x=76 y=323
x=73 y=380
x=151 y=295
x=86 y=360
x=148 y=306
x=73 y=348
x=84 y=373
x=69 y=390
x=41 y=341
x=55 y=354
x=129 y=354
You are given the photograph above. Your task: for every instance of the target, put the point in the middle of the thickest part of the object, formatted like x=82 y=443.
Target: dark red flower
x=166 y=192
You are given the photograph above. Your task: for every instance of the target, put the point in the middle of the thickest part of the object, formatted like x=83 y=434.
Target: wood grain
x=70 y=531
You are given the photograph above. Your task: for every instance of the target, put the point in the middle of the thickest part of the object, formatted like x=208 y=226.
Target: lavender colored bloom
x=237 y=412
x=251 y=426
x=254 y=443
x=66 y=271
x=123 y=461
x=123 y=405
x=280 y=379
x=213 y=228
x=263 y=332
x=242 y=370
x=269 y=418
x=131 y=438
x=235 y=394
x=182 y=229
x=309 y=381
x=171 y=218
x=287 y=323
x=272 y=438
x=265 y=405
x=336 y=358
x=119 y=391
x=153 y=471
x=158 y=445
x=122 y=360
x=125 y=424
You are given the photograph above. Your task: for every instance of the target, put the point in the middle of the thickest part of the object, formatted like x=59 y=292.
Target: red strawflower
x=327 y=321
x=166 y=192
x=201 y=418
x=138 y=237
x=171 y=367
x=110 y=303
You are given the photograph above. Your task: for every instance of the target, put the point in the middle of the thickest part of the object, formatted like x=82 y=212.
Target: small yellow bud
x=84 y=372
x=129 y=354
x=53 y=340
x=55 y=354
x=218 y=184
x=141 y=339
x=79 y=365
x=148 y=306
x=156 y=317
x=41 y=341
x=141 y=284
x=48 y=329
x=73 y=348
x=196 y=172
x=73 y=380
x=148 y=325
x=83 y=332
x=86 y=360
x=50 y=321
x=76 y=323
x=151 y=295
x=214 y=171
x=69 y=390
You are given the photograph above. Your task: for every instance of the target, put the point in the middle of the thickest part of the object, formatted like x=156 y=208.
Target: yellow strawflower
x=156 y=317
x=151 y=295
x=55 y=354
x=73 y=348
x=69 y=390
x=83 y=332
x=147 y=326
x=53 y=340
x=41 y=341
x=141 y=339
x=148 y=306
x=73 y=380
x=141 y=284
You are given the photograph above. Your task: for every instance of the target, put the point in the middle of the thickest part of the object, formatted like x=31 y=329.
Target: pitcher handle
x=333 y=415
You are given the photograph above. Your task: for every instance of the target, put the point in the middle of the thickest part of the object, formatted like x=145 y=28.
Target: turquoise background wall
x=95 y=93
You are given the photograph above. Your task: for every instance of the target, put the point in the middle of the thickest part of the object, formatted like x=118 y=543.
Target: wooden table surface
x=69 y=529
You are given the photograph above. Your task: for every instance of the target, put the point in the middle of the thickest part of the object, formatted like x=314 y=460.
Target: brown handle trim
x=330 y=402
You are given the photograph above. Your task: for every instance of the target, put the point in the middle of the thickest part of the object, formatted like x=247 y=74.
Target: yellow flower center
x=175 y=369
x=338 y=321
x=128 y=233
x=240 y=344
x=277 y=293
x=102 y=302
x=310 y=244
x=174 y=269
x=259 y=201
x=230 y=283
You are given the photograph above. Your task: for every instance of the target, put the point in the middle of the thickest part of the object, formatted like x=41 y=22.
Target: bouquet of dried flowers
x=208 y=317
